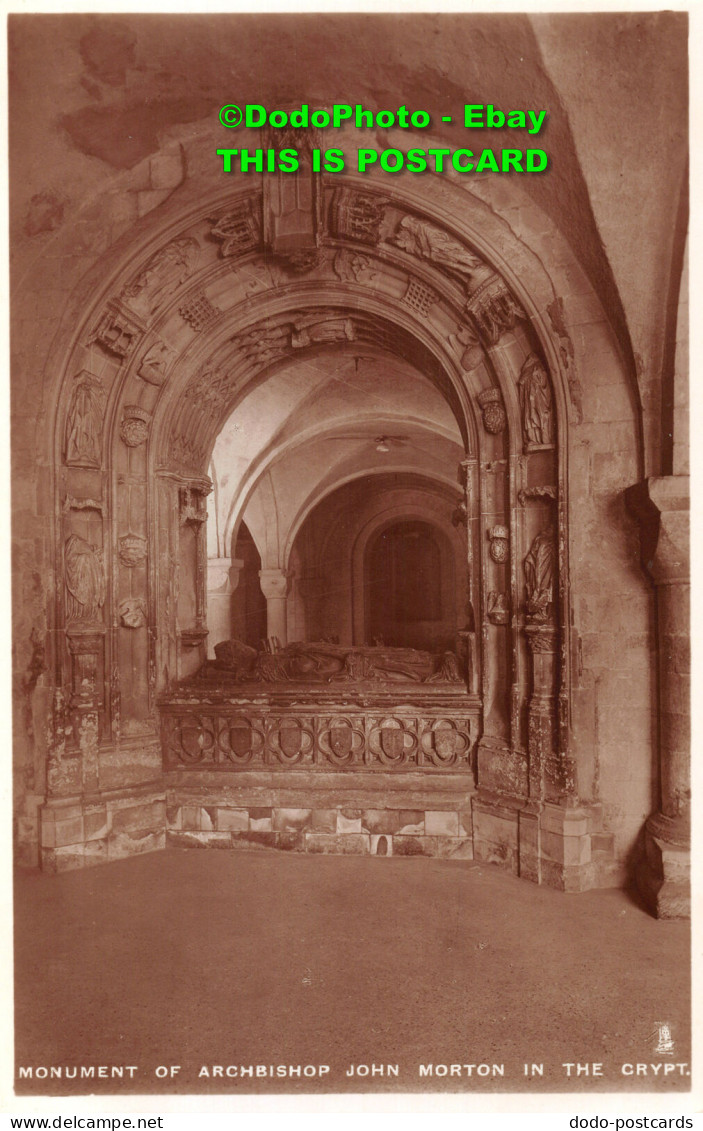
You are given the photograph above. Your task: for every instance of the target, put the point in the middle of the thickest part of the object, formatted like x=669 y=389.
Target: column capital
x=662 y=506
x=275 y=583
x=223 y=574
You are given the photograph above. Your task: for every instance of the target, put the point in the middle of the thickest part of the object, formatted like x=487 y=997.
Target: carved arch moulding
x=172 y=345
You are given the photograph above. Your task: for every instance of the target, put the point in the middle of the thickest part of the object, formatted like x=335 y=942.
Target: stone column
x=222 y=580
x=663 y=873
x=275 y=584
x=543 y=642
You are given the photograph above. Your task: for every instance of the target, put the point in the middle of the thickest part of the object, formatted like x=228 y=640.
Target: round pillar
x=222 y=580
x=663 y=874
x=275 y=584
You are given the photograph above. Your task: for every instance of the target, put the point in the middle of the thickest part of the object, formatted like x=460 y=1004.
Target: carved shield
x=341 y=740
x=392 y=741
x=290 y=738
x=445 y=742
x=195 y=740
x=240 y=740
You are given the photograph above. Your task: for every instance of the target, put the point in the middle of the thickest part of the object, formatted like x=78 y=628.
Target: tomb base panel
x=388 y=815
x=77 y=832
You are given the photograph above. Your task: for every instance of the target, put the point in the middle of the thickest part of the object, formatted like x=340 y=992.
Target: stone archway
x=192 y=327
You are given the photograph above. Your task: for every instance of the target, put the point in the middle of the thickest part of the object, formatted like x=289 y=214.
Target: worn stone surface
x=232 y=820
x=291 y=819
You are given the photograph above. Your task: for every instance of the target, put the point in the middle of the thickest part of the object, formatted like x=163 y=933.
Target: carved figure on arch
x=428 y=242
x=155 y=363
x=312 y=329
x=84 y=422
x=350 y=266
x=536 y=404
x=163 y=274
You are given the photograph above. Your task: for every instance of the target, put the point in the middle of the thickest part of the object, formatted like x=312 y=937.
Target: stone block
x=233 y=820
x=183 y=839
x=380 y=820
x=48 y=860
x=347 y=825
x=466 y=824
x=166 y=170
x=260 y=824
x=565 y=822
x=69 y=857
x=494 y=852
x=132 y=843
x=253 y=839
x=95 y=823
x=414 y=846
x=207 y=823
x=69 y=831
x=497 y=827
x=351 y=814
x=411 y=817
x=381 y=845
x=454 y=848
x=353 y=844
x=566 y=850
x=324 y=820
x=259 y=812
x=48 y=831
x=151 y=815
x=664 y=878
x=291 y=819
x=290 y=841
x=173 y=817
x=441 y=823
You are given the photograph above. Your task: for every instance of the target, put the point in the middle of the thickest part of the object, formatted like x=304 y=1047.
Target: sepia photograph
x=350 y=553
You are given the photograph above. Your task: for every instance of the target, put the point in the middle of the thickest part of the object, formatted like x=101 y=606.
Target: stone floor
x=199 y=958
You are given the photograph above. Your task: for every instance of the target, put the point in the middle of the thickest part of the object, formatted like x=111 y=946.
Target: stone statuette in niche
x=500 y=543
x=321 y=662
x=134 y=429
x=85 y=580
x=167 y=270
x=84 y=422
x=536 y=405
x=539 y=568
x=492 y=409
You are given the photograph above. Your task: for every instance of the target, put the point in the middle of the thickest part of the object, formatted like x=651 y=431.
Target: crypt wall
x=155 y=352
